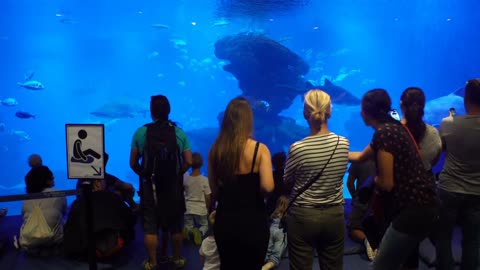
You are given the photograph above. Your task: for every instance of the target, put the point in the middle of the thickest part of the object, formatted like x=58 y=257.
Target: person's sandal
x=146 y=265
x=180 y=263
x=369 y=250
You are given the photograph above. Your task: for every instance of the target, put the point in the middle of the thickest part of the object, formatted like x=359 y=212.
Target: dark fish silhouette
x=24 y=115
x=338 y=95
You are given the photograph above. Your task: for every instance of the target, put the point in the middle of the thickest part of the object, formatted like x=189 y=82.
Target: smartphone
x=453 y=112
x=394 y=114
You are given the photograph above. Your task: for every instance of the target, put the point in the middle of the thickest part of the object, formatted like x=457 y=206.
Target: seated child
x=358 y=173
x=197 y=200
x=278 y=238
x=208 y=250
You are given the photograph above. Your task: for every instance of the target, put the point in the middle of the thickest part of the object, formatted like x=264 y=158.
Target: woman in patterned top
x=400 y=171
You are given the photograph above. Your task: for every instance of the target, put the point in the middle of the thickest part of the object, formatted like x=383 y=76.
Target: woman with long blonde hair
x=239 y=173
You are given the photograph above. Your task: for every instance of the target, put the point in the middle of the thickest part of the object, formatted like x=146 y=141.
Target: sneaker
x=180 y=263
x=146 y=265
x=186 y=234
x=16 y=244
x=197 y=236
x=369 y=250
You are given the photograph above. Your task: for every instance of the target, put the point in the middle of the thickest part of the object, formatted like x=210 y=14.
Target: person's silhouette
x=80 y=156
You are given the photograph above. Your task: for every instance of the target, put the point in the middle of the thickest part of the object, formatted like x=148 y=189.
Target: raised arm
x=361 y=156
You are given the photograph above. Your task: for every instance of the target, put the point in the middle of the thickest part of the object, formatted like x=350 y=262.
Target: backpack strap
x=254 y=156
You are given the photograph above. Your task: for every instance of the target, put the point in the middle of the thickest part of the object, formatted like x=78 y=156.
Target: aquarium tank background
x=98 y=62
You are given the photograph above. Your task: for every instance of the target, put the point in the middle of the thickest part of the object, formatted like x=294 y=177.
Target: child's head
x=34 y=160
x=197 y=161
x=38 y=179
x=282 y=205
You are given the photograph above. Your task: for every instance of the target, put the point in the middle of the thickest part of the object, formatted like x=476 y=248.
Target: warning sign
x=85 y=149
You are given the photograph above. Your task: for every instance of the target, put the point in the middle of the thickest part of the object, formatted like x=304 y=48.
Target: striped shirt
x=306 y=158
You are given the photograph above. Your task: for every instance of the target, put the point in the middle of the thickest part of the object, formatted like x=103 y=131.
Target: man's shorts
x=357 y=215
x=166 y=213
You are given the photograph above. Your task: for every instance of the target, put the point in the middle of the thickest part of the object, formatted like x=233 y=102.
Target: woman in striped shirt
x=315 y=220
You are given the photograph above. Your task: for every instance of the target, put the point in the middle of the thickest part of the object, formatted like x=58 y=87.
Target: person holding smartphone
x=459 y=183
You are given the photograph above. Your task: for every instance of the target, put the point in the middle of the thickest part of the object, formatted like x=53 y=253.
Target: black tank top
x=242 y=194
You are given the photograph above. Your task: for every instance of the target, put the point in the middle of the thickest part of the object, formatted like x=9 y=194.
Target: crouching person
x=113 y=223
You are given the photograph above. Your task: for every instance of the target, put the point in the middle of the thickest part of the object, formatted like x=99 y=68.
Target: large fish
x=20 y=134
x=9 y=101
x=31 y=85
x=338 y=95
x=437 y=109
x=24 y=115
x=115 y=110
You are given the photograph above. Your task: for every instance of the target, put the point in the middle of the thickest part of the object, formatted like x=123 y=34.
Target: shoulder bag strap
x=413 y=139
x=314 y=179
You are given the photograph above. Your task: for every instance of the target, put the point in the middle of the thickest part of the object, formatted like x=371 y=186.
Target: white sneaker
x=15 y=243
x=369 y=250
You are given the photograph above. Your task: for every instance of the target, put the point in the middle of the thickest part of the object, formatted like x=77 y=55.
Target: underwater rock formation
x=264 y=68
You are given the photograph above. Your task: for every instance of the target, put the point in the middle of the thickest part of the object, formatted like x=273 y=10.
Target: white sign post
x=85 y=149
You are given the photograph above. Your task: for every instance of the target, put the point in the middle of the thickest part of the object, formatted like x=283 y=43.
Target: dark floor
x=134 y=254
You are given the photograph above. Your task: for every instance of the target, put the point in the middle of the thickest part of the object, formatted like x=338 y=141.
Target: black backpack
x=161 y=158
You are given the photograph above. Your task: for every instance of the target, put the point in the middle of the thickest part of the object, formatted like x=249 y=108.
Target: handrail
x=39 y=195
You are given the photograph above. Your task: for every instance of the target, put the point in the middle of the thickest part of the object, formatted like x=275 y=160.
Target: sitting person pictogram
x=80 y=156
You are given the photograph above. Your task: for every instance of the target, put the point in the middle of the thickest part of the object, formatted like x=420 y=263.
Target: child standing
x=208 y=250
x=197 y=200
x=278 y=238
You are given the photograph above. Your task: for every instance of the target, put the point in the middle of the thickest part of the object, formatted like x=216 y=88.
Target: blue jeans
x=394 y=249
x=201 y=221
x=463 y=209
x=277 y=243
x=408 y=228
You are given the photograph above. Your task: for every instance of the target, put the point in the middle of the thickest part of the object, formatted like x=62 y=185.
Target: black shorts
x=357 y=215
x=166 y=213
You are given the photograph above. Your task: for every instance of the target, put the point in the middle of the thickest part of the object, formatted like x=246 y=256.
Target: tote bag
x=35 y=231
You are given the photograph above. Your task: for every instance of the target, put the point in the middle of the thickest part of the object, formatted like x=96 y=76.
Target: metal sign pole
x=91 y=245
x=85 y=160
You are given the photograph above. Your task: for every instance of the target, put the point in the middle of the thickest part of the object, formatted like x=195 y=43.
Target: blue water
x=90 y=54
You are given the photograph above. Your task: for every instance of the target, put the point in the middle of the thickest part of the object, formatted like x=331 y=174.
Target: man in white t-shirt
x=197 y=200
